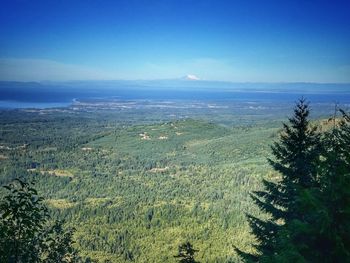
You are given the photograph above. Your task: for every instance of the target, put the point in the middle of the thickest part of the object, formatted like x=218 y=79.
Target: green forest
x=101 y=187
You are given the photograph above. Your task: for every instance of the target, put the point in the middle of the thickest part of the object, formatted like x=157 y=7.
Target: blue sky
x=244 y=41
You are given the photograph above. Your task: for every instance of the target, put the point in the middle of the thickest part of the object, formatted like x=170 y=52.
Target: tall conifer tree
x=334 y=222
x=296 y=157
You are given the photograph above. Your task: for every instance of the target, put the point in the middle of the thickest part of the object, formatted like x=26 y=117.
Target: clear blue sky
x=253 y=41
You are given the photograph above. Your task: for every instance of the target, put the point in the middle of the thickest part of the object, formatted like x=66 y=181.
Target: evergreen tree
x=334 y=220
x=296 y=159
x=186 y=253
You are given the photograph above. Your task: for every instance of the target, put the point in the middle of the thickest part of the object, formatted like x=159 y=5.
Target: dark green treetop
x=186 y=253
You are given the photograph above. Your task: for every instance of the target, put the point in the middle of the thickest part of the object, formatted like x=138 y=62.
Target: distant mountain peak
x=191 y=77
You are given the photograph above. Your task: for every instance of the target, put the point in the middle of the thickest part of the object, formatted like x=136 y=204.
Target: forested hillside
x=131 y=190
x=135 y=191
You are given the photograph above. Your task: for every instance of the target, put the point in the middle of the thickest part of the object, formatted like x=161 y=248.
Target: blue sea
x=65 y=101
x=32 y=105
x=57 y=95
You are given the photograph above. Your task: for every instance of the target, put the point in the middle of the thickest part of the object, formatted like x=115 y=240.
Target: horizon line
x=178 y=79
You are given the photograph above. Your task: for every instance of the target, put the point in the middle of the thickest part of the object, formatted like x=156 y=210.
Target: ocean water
x=32 y=105
x=65 y=99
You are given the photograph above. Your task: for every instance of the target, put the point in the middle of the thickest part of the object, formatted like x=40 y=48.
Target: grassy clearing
x=60 y=203
x=55 y=172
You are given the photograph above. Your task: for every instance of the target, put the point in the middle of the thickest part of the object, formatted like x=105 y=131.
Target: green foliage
x=25 y=233
x=22 y=222
x=186 y=253
x=333 y=228
x=58 y=245
x=296 y=159
x=309 y=207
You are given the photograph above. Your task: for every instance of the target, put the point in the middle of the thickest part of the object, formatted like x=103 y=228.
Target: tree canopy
x=308 y=208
